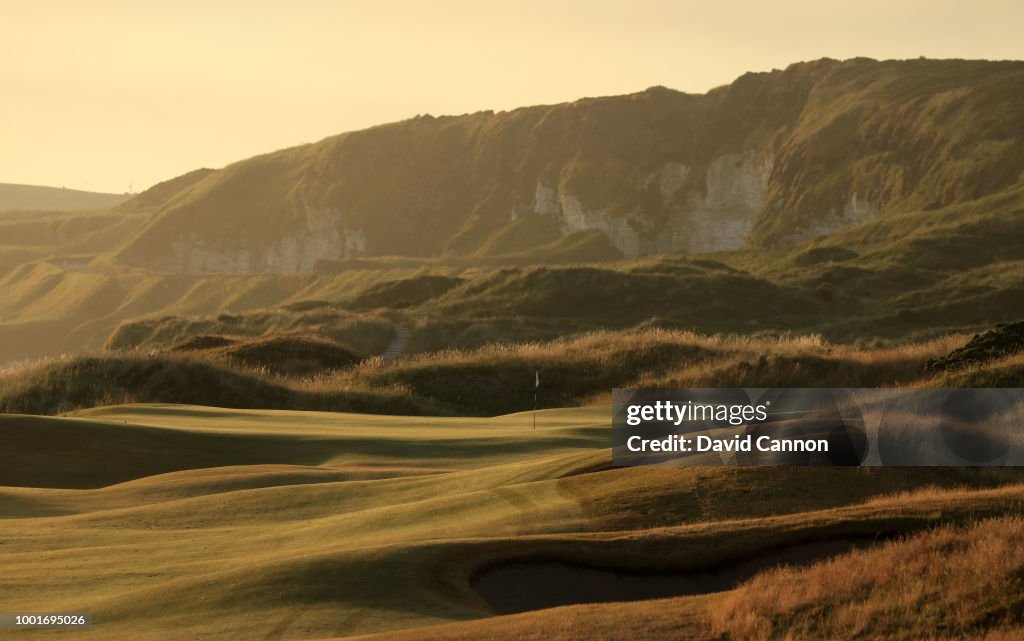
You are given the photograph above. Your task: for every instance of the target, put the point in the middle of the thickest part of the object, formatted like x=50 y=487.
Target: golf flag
x=536 y=386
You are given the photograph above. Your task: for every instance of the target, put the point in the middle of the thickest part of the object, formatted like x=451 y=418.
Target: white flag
x=537 y=383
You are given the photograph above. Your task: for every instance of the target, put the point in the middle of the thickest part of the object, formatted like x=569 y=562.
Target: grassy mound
x=495 y=379
x=957 y=581
x=404 y=293
x=1002 y=341
x=701 y=295
x=91 y=381
x=316 y=319
x=1007 y=372
x=289 y=355
x=500 y=378
x=201 y=342
x=291 y=372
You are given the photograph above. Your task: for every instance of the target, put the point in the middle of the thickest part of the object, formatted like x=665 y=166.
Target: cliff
x=773 y=159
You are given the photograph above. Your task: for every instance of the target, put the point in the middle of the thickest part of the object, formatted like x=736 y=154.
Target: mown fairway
x=182 y=522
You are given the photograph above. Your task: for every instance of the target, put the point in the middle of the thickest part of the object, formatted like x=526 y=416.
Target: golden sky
x=101 y=94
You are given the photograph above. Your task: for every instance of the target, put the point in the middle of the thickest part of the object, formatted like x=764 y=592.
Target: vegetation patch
x=202 y=342
x=1006 y=339
x=404 y=293
x=954 y=581
x=290 y=355
x=358 y=332
x=308 y=372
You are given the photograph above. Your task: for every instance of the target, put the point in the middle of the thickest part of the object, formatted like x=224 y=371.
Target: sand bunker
x=525 y=586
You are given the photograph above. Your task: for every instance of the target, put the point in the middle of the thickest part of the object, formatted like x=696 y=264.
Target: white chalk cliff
x=320 y=234
x=771 y=160
x=714 y=216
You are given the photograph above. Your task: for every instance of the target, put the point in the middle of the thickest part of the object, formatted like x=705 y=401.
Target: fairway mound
x=202 y=342
x=1004 y=340
x=537 y=585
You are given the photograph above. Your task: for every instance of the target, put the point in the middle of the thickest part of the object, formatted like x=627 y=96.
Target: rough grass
x=403 y=293
x=500 y=378
x=953 y=581
x=1005 y=372
x=366 y=333
x=79 y=382
x=495 y=379
x=47 y=309
x=288 y=355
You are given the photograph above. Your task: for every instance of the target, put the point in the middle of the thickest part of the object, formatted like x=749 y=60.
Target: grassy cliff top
x=899 y=135
x=36 y=198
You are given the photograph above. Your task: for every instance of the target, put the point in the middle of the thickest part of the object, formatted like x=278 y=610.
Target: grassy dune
x=953 y=582
x=80 y=382
x=903 y=277
x=956 y=579
x=178 y=522
x=48 y=309
x=495 y=379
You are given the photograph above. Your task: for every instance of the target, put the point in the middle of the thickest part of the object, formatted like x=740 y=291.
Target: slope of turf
x=35 y=198
x=184 y=522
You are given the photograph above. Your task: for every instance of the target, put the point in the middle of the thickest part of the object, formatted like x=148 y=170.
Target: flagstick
x=536 y=386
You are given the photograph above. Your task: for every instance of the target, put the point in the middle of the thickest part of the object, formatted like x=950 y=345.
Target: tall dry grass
x=952 y=582
x=494 y=379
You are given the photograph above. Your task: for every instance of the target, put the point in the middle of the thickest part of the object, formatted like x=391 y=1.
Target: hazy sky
x=100 y=94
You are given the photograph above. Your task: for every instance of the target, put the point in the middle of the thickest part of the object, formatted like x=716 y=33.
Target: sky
x=105 y=95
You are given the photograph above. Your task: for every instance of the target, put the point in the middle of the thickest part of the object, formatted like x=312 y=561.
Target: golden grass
x=582 y=369
x=46 y=310
x=604 y=347
x=491 y=380
x=193 y=522
x=951 y=581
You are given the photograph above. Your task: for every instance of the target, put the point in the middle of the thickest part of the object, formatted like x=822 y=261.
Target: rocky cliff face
x=717 y=215
x=293 y=252
x=773 y=159
x=322 y=235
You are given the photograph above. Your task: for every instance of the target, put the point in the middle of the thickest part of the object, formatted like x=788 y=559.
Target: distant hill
x=772 y=160
x=33 y=198
x=857 y=200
